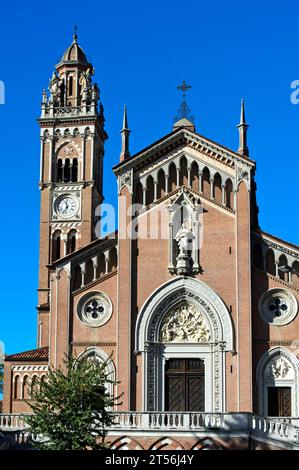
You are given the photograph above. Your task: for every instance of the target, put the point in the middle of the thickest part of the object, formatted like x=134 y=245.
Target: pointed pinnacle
x=242 y=115
x=125 y=119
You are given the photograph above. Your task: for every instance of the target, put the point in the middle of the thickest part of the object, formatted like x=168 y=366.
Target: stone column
x=212 y=188
x=189 y=177
x=200 y=182
x=83 y=271
x=95 y=261
x=223 y=194
x=106 y=254
x=167 y=183
x=177 y=176
x=276 y=268
x=155 y=190
x=144 y=196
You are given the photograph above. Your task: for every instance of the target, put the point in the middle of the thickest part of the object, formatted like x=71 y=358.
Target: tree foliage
x=72 y=408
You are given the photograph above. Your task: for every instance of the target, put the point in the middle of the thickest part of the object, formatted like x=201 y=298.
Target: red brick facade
x=238 y=264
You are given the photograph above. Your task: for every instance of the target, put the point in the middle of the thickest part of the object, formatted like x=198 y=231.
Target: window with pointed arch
x=56 y=245
x=71 y=241
x=71 y=82
x=16 y=388
x=95 y=354
x=25 y=390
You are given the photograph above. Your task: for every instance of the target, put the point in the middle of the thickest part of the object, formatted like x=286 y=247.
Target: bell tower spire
x=125 y=134
x=71 y=175
x=243 y=126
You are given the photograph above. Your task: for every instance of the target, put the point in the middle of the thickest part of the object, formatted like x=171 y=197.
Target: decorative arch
x=71 y=241
x=165 y=443
x=25 y=387
x=16 y=386
x=206 y=184
x=56 y=245
x=149 y=190
x=282 y=263
x=229 y=194
x=217 y=188
x=155 y=352
x=169 y=294
x=126 y=443
x=270 y=262
x=95 y=353
x=295 y=274
x=183 y=174
x=278 y=367
x=161 y=190
x=195 y=177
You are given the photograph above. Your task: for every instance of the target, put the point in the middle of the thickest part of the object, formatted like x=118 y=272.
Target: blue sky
x=141 y=51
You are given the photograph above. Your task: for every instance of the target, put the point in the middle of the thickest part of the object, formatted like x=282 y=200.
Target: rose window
x=94 y=309
x=278 y=306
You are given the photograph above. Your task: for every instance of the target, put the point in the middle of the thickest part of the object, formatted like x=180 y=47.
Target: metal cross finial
x=184 y=111
x=75 y=33
x=184 y=87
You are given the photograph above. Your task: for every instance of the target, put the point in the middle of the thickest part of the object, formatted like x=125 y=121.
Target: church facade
x=194 y=307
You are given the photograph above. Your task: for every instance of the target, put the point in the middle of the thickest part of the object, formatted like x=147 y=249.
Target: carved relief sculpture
x=280 y=368
x=184 y=324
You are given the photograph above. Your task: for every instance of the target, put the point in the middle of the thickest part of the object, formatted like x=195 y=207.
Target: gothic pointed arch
x=171 y=293
x=97 y=354
x=206 y=335
x=278 y=371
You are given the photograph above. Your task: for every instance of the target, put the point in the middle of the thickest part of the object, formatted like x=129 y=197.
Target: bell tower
x=71 y=167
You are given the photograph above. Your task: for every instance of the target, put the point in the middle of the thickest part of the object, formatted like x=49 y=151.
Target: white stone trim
x=30 y=368
x=169 y=293
x=154 y=353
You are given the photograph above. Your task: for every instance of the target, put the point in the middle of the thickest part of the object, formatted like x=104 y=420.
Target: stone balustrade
x=279 y=431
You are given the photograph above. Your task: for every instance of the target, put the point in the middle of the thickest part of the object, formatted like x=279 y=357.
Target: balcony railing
x=278 y=430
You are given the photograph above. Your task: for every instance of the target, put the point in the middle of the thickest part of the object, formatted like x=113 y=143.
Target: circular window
x=278 y=306
x=94 y=309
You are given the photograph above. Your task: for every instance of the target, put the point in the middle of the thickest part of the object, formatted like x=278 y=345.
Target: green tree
x=72 y=408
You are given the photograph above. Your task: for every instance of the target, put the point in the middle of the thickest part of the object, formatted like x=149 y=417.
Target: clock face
x=66 y=206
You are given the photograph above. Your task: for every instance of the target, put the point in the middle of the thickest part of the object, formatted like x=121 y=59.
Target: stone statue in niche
x=184 y=238
x=85 y=83
x=184 y=324
x=55 y=89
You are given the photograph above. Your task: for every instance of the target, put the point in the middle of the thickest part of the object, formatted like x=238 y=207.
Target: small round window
x=278 y=306
x=94 y=309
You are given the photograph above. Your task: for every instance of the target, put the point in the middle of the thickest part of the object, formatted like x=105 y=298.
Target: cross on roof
x=184 y=87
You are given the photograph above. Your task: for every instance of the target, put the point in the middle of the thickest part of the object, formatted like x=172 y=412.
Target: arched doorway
x=277 y=378
x=183 y=332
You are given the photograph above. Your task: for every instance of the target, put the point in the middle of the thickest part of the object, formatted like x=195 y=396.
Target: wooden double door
x=279 y=401
x=184 y=385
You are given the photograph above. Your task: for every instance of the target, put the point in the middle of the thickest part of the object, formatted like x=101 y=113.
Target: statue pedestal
x=183 y=264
